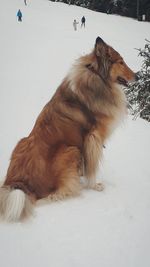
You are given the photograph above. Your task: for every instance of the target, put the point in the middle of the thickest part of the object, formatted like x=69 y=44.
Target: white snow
x=97 y=229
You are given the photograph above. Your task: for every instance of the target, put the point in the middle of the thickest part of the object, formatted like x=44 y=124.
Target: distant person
x=75 y=24
x=25 y=2
x=19 y=15
x=83 y=22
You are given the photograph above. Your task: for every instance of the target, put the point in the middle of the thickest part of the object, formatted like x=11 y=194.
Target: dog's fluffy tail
x=15 y=205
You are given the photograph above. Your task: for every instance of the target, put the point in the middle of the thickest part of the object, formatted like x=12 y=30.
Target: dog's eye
x=121 y=63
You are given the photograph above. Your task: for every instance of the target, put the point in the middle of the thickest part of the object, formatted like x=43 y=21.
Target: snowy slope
x=107 y=229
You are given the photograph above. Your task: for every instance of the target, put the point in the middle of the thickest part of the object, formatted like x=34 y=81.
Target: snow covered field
x=106 y=229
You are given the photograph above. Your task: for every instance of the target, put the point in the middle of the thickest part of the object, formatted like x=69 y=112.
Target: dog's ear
x=100 y=47
x=99 y=40
x=101 y=52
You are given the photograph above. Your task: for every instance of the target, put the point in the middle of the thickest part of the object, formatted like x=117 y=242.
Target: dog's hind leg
x=66 y=171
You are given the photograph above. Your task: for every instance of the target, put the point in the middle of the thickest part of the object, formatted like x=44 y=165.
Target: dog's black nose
x=137 y=76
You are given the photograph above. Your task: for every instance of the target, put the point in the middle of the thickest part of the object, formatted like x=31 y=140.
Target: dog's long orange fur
x=68 y=136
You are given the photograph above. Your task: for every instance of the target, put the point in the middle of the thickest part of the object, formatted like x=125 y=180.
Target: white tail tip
x=14 y=204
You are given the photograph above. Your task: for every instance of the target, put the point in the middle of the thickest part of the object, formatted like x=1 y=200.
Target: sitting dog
x=68 y=136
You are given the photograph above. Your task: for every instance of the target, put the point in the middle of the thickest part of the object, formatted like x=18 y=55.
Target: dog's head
x=111 y=65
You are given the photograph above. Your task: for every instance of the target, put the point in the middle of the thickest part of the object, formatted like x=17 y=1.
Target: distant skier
x=25 y=2
x=83 y=22
x=19 y=15
x=75 y=24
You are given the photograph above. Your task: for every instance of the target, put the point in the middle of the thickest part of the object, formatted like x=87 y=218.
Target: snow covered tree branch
x=138 y=93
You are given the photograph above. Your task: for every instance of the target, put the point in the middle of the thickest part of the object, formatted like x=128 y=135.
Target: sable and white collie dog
x=67 y=139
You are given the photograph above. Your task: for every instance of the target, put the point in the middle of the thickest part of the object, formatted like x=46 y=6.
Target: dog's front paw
x=98 y=187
